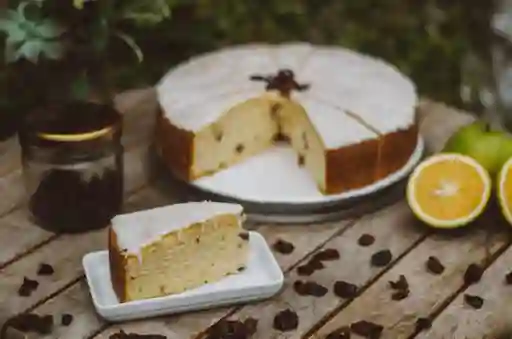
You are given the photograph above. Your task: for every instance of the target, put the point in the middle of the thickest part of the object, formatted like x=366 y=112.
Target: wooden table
x=440 y=297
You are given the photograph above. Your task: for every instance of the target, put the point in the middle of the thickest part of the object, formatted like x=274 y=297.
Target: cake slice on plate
x=175 y=248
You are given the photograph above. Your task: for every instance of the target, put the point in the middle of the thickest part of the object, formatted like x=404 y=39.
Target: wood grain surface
x=438 y=297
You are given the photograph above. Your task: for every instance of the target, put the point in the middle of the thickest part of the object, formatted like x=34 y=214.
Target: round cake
x=349 y=117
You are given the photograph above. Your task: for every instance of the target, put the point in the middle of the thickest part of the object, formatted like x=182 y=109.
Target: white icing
x=199 y=91
x=334 y=127
x=134 y=230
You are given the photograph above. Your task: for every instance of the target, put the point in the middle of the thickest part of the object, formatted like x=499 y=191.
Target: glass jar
x=72 y=160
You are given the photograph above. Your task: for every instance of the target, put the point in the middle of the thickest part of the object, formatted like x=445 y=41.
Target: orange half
x=505 y=190
x=448 y=190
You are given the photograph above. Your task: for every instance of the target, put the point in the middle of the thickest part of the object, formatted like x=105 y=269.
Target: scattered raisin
x=311 y=266
x=381 y=258
x=45 y=269
x=327 y=255
x=367 y=329
x=345 y=290
x=241 y=268
x=400 y=295
x=309 y=288
x=366 y=240
x=29 y=322
x=508 y=278
x=286 y=320
x=423 y=324
x=283 y=247
x=340 y=333
x=474 y=301
x=244 y=235
x=239 y=148
x=301 y=160
x=473 y=274
x=66 y=319
x=123 y=335
x=434 y=266
x=400 y=284
x=27 y=287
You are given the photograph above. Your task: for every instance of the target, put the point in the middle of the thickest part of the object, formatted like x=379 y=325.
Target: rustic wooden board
x=394 y=228
x=492 y=321
x=429 y=292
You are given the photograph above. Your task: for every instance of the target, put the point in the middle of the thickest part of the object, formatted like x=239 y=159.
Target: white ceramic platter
x=274 y=178
x=261 y=279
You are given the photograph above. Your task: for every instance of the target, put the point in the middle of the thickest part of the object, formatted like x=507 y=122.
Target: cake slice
x=175 y=248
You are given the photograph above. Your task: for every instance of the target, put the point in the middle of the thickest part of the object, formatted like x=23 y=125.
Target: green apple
x=489 y=147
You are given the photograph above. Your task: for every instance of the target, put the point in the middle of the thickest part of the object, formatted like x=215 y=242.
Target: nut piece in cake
x=175 y=248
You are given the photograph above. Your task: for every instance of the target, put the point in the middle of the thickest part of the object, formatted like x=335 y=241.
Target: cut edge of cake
x=201 y=241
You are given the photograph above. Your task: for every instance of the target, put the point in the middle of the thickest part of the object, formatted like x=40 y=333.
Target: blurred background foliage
x=426 y=39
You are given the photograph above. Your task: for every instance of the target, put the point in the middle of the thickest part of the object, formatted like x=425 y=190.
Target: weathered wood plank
x=65 y=254
x=428 y=292
x=492 y=321
x=393 y=229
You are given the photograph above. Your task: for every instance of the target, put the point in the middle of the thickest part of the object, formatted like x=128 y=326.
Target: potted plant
x=59 y=56
x=61 y=51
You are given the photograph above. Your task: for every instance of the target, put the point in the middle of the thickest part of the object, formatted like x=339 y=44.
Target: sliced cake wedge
x=175 y=248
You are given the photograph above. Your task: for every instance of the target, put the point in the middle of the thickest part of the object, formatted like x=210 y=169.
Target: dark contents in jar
x=66 y=201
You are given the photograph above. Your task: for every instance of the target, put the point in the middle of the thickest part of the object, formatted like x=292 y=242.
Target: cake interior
x=255 y=125
x=188 y=257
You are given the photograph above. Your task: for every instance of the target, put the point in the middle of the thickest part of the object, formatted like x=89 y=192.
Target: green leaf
x=49 y=29
x=30 y=50
x=10 y=52
x=132 y=44
x=145 y=13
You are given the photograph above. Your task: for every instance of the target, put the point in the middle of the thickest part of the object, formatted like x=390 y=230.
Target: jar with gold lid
x=72 y=160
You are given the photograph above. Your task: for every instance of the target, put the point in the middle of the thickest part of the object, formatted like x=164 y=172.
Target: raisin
x=66 y=319
x=400 y=284
x=473 y=274
x=381 y=258
x=423 y=324
x=367 y=329
x=27 y=287
x=474 y=301
x=283 y=247
x=286 y=320
x=400 y=295
x=244 y=236
x=345 y=290
x=366 y=240
x=310 y=267
x=45 y=269
x=218 y=135
x=434 y=266
x=123 y=335
x=508 y=278
x=327 y=255
x=301 y=160
x=340 y=333
x=241 y=268
x=239 y=148
x=309 y=288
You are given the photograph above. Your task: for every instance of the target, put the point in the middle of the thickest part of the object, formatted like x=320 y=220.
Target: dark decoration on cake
x=284 y=82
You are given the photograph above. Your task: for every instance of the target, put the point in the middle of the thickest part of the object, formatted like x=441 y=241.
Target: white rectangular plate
x=261 y=279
